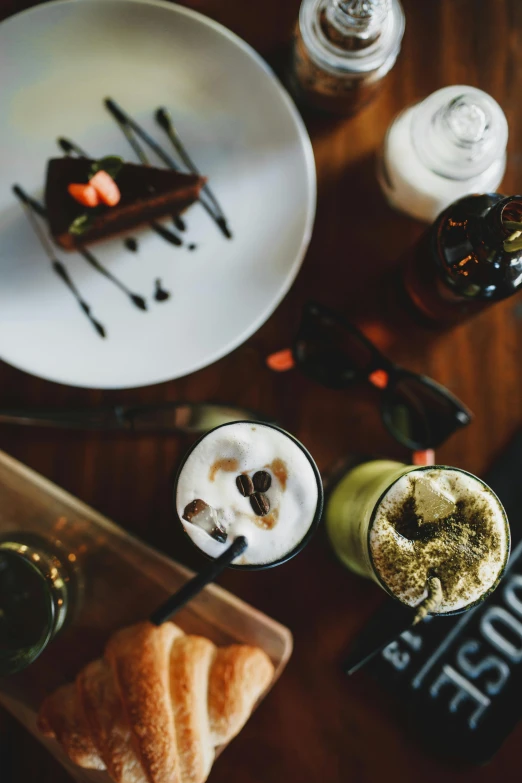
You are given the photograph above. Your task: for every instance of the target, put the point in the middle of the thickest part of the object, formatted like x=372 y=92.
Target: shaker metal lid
x=375 y=26
x=365 y=17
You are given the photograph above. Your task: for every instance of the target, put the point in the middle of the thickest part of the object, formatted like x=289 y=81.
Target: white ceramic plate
x=58 y=61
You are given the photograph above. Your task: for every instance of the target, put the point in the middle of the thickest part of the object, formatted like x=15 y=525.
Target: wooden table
x=318 y=726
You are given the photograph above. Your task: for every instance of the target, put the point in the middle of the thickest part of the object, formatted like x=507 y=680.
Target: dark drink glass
x=35 y=600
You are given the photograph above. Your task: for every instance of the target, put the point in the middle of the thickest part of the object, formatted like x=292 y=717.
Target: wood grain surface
x=317 y=726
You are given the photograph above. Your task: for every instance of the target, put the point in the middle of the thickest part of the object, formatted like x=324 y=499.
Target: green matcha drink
x=402 y=525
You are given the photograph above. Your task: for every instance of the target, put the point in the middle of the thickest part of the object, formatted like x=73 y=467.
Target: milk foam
x=253 y=447
x=468 y=556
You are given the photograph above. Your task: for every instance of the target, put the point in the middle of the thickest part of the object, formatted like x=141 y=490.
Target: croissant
x=156 y=706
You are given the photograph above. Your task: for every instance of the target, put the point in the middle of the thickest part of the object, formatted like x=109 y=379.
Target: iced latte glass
x=254 y=480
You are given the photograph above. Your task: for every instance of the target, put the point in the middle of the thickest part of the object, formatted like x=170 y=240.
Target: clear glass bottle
x=449 y=145
x=342 y=51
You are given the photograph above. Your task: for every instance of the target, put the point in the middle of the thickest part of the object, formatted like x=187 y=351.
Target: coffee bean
x=193 y=509
x=260 y=504
x=262 y=481
x=244 y=485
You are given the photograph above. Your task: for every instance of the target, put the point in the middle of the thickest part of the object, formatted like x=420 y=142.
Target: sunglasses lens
x=419 y=415
x=329 y=352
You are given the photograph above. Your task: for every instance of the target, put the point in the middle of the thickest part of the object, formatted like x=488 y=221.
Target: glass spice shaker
x=342 y=51
x=449 y=145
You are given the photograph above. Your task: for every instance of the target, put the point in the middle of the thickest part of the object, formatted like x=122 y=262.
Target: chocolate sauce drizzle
x=40 y=210
x=131 y=129
x=35 y=205
x=128 y=128
x=29 y=205
x=179 y=223
x=131 y=244
x=64 y=275
x=70 y=147
x=164 y=120
x=160 y=294
x=136 y=299
x=166 y=234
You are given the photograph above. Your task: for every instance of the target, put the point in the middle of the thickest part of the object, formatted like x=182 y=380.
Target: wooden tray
x=122 y=581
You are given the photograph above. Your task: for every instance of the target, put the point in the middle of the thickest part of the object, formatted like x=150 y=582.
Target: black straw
x=198 y=582
x=379 y=635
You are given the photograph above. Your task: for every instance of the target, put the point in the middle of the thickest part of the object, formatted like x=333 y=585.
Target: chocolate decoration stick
x=129 y=131
x=57 y=265
x=68 y=146
x=128 y=124
x=164 y=121
x=130 y=127
x=198 y=582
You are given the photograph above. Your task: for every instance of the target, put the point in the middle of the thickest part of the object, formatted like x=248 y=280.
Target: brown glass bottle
x=470 y=258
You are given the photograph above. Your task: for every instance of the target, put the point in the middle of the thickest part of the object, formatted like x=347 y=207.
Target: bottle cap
x=459 y=131
x=363 y=19
x=353 y=36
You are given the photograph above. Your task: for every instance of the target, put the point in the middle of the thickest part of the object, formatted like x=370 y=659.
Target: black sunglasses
x=420 y=413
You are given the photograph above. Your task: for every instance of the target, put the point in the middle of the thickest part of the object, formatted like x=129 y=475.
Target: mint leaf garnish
x=80 y=225
x=110 y=163
x=513 y=244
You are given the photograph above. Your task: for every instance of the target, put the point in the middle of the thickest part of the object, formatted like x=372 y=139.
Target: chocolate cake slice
x=146 y=194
